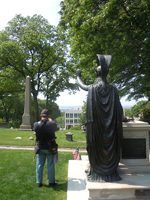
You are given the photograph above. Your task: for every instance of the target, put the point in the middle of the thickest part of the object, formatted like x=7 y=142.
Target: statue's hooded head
x=103 y=65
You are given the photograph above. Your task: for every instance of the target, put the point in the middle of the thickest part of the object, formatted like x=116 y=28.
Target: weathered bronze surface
x=103 y=124
x=134 y=149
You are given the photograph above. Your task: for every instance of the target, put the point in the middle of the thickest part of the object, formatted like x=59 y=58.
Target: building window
x=67 y=115
x=71 y=121
x=75 y=121
x=67 y=121
x=75 y=115
x=71 y=115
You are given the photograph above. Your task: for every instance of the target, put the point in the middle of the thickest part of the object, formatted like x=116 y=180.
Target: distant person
x=45 y=131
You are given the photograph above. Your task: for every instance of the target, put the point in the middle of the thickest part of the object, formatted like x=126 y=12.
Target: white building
x=71 y=117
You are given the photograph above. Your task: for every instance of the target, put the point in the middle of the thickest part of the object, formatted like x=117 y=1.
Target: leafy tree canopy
x=11 y=108
x=82 y=116
x=116 y=27
x=52 y=107
x=30 y=46
x=128 y=112
x=137 y=108
x=146 y=112
x=61 y=120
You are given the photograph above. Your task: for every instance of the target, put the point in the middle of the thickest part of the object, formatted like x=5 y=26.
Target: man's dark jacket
x=45 y=131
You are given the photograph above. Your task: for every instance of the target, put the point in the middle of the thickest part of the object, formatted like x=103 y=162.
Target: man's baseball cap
x=44 y=113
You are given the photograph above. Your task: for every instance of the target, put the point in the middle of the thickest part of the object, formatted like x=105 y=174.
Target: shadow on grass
x=58 y=187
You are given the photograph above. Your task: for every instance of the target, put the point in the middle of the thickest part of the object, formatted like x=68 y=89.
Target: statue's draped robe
x=103 y=132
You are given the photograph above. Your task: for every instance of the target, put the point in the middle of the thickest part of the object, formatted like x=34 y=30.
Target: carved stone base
x=25 y=128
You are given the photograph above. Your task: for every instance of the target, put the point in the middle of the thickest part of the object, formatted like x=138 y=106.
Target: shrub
x=14 y=124
x=146 y=112
x=78 y=127
x=1 y=121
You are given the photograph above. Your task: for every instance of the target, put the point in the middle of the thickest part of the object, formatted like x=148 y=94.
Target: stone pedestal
x=69 y=136
x=135 y=151
x=26 y=118
x=134 y=171
x=131 y=186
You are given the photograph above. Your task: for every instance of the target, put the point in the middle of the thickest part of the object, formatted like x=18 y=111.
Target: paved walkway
x=32 y=148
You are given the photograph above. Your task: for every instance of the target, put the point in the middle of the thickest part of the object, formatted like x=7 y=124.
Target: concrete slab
x=132 y=186
x=76 y=189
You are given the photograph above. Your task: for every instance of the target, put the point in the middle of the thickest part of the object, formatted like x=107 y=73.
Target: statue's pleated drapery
x=104 y=132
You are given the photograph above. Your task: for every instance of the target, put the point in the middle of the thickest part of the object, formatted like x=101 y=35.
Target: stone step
x=132 y=186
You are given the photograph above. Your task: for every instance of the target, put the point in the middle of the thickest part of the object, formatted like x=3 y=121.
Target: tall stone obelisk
x=26 y=118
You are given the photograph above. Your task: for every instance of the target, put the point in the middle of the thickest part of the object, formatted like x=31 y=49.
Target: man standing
x=45 y=131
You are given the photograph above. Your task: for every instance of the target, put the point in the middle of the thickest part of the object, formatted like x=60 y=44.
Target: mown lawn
x=18 y=177
x=7 y=137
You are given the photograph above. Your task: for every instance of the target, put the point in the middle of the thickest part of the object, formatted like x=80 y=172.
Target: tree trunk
x=6 y=113
x=47 y=101
x=36 y=107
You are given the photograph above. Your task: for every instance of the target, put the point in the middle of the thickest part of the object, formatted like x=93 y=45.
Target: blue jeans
x=41 y=157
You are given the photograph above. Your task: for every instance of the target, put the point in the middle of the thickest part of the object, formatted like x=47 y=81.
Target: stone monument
x=26 y=118
x=133 y=153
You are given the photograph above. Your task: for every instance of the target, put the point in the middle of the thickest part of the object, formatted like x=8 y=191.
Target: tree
x=128 y=112
x=11 y=108
x=52 y=107
x=137 y=108
x=116 y=27
x=61 y=120
x=82 y=116
x=146 y=112
x=30 y=46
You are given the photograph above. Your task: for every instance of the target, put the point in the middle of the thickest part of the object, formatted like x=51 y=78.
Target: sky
x=49 y=10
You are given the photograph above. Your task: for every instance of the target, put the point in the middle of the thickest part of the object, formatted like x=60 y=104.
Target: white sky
x=49 y=10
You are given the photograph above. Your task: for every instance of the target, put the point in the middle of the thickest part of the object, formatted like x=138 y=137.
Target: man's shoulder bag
x=53 y=146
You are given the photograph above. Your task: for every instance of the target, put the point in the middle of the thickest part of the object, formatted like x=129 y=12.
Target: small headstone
x=31 y=138
x=18 y=138
x=69 y=136
x=11 y=128
x=34 y=133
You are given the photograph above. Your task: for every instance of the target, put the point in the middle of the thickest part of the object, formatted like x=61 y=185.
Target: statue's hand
x=79 y=73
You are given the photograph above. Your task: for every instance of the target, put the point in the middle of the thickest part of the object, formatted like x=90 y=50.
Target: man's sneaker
x=52 y=184
x=39 y=184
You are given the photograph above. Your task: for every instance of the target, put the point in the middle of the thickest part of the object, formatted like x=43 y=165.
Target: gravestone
x=26 y=118
x=69 y=136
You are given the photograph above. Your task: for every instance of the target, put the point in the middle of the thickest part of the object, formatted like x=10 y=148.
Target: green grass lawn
x=7 y=137
x=18 y=177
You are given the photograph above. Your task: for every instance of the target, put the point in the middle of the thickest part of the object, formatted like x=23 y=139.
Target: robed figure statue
x=103 y=122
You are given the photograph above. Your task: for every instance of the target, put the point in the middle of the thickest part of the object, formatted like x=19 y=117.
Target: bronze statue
x=103 y=125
